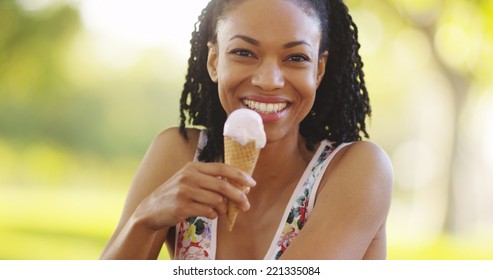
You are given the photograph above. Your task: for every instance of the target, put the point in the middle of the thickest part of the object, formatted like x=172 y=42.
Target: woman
x=317 y=192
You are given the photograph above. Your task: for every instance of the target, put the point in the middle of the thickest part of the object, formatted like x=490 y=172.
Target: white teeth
x=265 y=108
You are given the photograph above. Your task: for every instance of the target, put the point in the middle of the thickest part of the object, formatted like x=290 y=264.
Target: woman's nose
x=268 y=76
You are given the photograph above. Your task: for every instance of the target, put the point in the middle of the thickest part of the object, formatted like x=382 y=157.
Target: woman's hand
x=168 y=188
x=198 y=189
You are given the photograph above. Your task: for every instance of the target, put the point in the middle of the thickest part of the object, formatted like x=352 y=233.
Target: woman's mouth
x=265 y=108
x=270 y=111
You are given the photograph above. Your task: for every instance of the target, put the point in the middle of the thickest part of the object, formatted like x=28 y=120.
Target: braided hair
x=341 y=103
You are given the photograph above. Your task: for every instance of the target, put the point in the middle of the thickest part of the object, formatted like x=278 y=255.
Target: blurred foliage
x=46 y=95
x=77 y=112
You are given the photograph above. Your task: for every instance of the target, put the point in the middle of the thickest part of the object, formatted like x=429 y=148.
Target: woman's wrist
x=144 y=220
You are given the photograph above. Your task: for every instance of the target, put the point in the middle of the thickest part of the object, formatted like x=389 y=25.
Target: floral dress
x=300 y=209
x=196 y=237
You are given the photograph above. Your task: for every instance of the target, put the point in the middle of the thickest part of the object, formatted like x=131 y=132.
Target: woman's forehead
x=281 y=19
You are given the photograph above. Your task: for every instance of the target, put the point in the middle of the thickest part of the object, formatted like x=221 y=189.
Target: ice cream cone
x=244 y=136
x=243 y=157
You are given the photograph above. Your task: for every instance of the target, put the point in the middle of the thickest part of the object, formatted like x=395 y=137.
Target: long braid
x=364 y=108
x=342 y=102
x=200 y=96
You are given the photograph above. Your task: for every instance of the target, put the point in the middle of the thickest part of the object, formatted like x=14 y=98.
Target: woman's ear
x=212 y=58
x=322 y=62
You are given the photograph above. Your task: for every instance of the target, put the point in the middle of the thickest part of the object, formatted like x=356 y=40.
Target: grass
x=444 y=247
x=50 y=224
x=38 y=223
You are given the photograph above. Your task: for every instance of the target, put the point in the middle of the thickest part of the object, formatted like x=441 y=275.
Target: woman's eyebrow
x=246 y=39
x=296 y=43
x=254 y=42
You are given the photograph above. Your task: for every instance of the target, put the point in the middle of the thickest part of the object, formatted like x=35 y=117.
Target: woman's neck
x=282 y=160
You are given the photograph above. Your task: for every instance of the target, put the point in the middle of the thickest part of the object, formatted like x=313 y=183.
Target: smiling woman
x=307 y=85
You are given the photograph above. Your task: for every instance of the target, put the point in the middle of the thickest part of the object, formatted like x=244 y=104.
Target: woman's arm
x=131 y=238
x=348 y=219
x=167 y=189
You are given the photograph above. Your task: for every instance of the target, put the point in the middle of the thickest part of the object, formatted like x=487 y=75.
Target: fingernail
x=251 y=182
x=246 y=206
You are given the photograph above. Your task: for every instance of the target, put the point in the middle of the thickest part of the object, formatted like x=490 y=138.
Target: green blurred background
x=85 y=85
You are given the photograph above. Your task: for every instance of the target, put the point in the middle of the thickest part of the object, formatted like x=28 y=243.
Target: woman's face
x=266 y=58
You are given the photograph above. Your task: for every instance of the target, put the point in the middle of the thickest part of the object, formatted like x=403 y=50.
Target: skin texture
x=247 y=62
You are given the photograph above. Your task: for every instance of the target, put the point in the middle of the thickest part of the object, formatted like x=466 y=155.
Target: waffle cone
x=244 y=158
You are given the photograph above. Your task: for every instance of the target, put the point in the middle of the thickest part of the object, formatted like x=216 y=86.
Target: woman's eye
x=243 y=53
x=298 y=58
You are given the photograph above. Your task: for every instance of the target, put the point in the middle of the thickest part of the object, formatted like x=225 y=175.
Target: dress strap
x=302 y=200
x=327 y=157
x=201 y=144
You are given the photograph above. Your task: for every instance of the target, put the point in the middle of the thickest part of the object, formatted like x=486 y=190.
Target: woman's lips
x=270 y=109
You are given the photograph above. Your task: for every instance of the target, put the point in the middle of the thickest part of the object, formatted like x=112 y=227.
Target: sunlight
x=371 y=31
x=35 y=5
x=486 y=113
x=143 y=24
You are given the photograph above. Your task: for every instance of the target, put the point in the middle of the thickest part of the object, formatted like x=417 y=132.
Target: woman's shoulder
x=172 y=142
x=365 y=148
x=362 y=163
x=370 y=154
x=174 y=134
x=366 y=156
x=168 y=152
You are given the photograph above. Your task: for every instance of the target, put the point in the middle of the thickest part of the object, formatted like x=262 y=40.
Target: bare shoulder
x=368 y=155
x=168 y=153
x=365 y=168
x=172 y=138
x=363 y=171
x=363 y=158
x=171 y=144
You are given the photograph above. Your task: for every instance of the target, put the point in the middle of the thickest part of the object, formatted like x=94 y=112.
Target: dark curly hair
x=341 y=103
